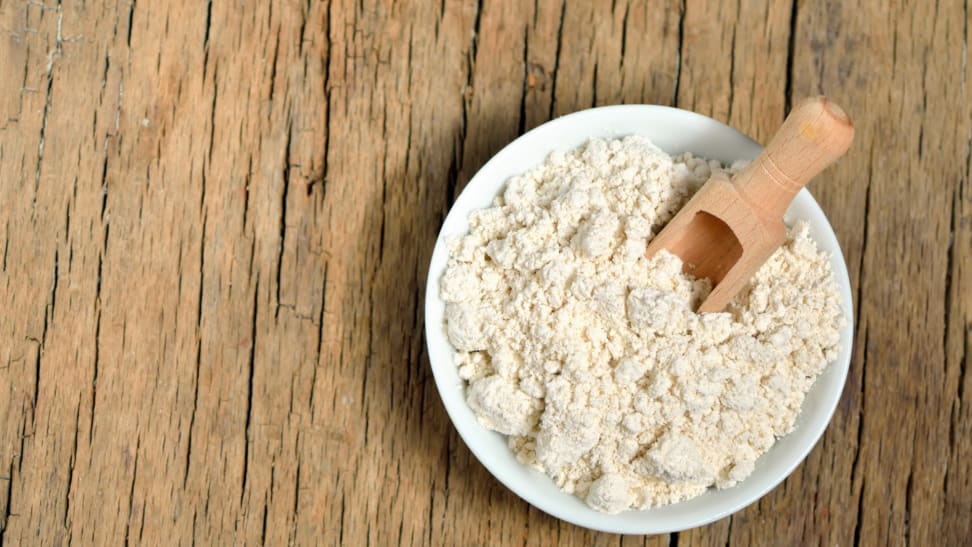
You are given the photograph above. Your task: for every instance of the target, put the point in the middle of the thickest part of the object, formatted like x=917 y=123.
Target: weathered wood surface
x=216 y=217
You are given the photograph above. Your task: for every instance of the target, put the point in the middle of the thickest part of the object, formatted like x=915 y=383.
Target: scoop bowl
x=674 y=131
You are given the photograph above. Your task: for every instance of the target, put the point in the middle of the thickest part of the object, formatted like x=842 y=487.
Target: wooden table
x=217 y=218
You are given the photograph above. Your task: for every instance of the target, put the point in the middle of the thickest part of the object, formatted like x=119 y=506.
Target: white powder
x=589 y=356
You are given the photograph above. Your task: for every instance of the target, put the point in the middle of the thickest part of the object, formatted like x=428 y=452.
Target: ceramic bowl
x=674 y=131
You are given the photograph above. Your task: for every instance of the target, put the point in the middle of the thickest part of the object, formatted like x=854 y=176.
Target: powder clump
x=589 y=356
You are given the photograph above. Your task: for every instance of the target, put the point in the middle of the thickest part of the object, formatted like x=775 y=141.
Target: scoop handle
x=815 y=134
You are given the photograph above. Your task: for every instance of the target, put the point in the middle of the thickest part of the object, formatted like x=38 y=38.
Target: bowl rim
x=471 y=433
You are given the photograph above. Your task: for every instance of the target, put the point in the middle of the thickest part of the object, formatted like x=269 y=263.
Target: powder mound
x=610 y=494
x=502 y=407
x=589 y=356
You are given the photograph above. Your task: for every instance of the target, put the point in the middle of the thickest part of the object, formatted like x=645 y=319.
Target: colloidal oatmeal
x=589 y=356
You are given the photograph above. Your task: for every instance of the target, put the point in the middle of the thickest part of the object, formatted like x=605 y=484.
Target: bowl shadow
x=419 y=190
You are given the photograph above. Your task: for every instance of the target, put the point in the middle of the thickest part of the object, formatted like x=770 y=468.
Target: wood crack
x=247 y=178
x=24 y=435
x=556 y=67
x=341 y=526
x=908 y=496
x=963 y=364
x=594 y=86
x=327 y=102
x=97 y=337
x=283 y=213
x=790 y=51
x=732 y=65
x=131 y=16
x=864 y=232
x=678 y=52
x=466 y=98
x=429 y=525
x=53 y=297
x=858 y=521
x=131 y=490
x=205 y=44
x=6 y=245
x=862 y=325
x=296 y=507
x=320 y=338
x=729 y=532
x=304 y=11
x=40 y=142
x=249 y=390
x=104 y=181
x=192 y=415
x=42 y=341
x=8 y=507
x=273 y=66
x=263 y=526
x=624 y=38
x=447 y=472
x=384 y=194
x=415 y=335
x=367 y=369
x=521 y=126
x=71 y=465
x=949 y=266
x=199 y=329
x=965 y=44
x=212 y=127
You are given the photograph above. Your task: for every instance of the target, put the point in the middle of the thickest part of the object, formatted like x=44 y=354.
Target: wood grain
x=216 y=224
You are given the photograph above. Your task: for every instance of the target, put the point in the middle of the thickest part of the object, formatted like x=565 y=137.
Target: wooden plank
x=394 y=125
x=898 y=382
x=217 y=219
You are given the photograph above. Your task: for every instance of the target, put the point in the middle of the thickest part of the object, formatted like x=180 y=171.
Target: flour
x=589 y=356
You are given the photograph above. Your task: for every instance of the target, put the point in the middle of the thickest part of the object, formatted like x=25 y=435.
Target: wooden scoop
x=729 y=229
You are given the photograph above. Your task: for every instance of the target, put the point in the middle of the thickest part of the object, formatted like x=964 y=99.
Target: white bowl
x=674 y=131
